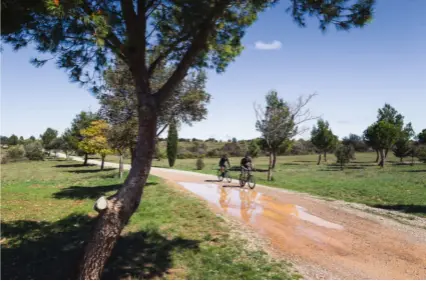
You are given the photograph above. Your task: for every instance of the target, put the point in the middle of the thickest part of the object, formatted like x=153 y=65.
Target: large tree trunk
x=386 y=152
x=319 y=158
x=86 y=157
x=325 y=156
x=120 y=207
x=102 y=162
x=382 y=158
x=274 y=159
x=120 y=167
x=377 y=156
x=270 y=166
x=132 y=155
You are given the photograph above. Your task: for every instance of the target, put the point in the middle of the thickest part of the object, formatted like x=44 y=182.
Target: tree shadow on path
x=46 y=250
x=91 y=192
x=409 y=209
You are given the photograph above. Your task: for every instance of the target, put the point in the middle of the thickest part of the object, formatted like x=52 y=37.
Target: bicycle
x=247 y=177
x=224 y=175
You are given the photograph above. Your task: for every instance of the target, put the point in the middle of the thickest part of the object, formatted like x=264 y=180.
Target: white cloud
x=274 y=45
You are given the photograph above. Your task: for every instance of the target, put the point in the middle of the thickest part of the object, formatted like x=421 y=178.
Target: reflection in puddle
x=250 y=205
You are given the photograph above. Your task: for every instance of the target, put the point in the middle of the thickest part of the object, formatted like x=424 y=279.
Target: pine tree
x=172 y=144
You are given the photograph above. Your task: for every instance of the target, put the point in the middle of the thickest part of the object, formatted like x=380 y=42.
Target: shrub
x=200 y=164
x=34 y=151
x=4 y=159
x=344 y=154
x=213 y=153
x=16 y=152
x=254 y=149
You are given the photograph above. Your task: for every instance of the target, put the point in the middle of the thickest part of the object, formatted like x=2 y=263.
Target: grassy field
x=396 y=187
x=47 y=214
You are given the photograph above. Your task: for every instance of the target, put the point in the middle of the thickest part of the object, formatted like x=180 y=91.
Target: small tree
x=323 y=139
x=13 y=140
x=253 y=149
x=34 y=151
x=344 y=154
x=15 y=152
x=402 y=148
x=95 y=140
x=80 y=122
x=200 y=164
x=384 y=135
x=172 y=144
x=47 y=137
x=279 y=122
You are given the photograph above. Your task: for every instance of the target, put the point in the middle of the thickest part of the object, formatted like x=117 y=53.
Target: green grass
x=396 y=187
x=47 y=215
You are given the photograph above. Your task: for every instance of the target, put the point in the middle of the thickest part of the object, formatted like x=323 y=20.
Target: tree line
x=280 y=121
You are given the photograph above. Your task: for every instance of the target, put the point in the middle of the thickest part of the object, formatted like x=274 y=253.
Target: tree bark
x=102 y=162
x=120 y=167
x=86 y=157
x=124 y=203
x=132 y=155
x=325 y=156
x=270 y=167
x=274 y=159
x=377 y=156
x=319 y=158
x=382 y=158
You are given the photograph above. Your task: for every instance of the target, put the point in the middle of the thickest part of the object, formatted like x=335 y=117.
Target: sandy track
x=325 y=239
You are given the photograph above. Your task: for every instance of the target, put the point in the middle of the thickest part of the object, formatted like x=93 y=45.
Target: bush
x=16 y=152
x=213 y=153
x=200 y=164
x=186 y=155
x=344 y=154
x=4 y=159
x=34 y=151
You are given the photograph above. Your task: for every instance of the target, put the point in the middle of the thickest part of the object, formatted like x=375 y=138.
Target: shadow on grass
x=92 y=192
x=410 y=209
x=333 y=168
x=305 y=161
x=44 y=250
x=73 y=165
x=90 y=171
x=414 y=171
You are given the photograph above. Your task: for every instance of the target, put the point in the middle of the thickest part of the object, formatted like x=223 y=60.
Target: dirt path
x=325 y=239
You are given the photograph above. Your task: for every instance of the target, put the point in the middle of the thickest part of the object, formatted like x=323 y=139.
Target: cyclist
x=222 y=164
x=246 y=163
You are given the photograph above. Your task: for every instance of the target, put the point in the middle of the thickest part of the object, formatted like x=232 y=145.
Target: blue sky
x=354 y=73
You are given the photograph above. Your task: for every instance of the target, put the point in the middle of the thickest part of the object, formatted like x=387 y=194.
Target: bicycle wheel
x=251 y=181
x=228 y=177
x=242 y=181
x=219 y=175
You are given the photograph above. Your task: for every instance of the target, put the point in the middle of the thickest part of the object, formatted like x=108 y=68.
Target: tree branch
x=162 y=130
x=130 y=18
x=197 y=45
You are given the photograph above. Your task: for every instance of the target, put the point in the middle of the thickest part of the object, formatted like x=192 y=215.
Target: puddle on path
x=252 y=206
